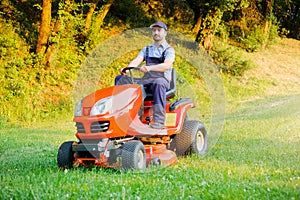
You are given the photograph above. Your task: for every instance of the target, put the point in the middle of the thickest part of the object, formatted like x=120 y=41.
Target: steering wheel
x=125 y=69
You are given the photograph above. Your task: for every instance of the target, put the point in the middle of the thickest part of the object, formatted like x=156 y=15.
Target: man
x=159 y=58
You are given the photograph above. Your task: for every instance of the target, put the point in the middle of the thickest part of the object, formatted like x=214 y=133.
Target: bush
x=258 y=39
x=229 y=59
x=29 y=92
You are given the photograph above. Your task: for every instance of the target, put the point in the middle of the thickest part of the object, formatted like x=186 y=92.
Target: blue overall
x=156 y=83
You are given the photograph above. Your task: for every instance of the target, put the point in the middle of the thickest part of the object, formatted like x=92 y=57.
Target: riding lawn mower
x=113 y=130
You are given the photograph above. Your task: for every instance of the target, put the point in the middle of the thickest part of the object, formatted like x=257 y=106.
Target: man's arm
x=162 y=67
x=135 y=62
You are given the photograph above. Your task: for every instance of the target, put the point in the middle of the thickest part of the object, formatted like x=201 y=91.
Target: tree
x=45 y=29
x=89 y=15
x=207 y=17
x=287 y=13
x=93 y=22
x=102 y=14
x=100 y=17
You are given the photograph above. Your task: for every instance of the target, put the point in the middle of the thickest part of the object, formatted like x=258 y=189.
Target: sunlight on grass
x=256 y=157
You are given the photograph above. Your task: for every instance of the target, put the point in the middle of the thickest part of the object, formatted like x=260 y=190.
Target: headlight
x=78 y=108
x=102 y=106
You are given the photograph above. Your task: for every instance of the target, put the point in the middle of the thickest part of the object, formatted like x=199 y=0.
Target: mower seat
x=170 y=92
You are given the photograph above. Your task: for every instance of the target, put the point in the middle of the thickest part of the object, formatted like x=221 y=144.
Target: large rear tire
x=200 y=144
x=133 y=155
x=65 y=156
x=192 y=139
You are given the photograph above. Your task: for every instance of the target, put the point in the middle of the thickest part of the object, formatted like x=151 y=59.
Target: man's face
x=158 y=33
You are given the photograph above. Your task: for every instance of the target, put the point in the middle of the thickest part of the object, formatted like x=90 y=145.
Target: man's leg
x=122 y=80
x=159 y=88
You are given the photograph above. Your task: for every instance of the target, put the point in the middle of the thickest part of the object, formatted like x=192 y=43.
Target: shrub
x=258 y=39
x=229 y=59
x=29 y=92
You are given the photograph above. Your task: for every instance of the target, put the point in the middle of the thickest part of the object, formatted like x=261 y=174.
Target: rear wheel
x=192 y=139
x=65 y=156
x=133 y=155
x=199 y=145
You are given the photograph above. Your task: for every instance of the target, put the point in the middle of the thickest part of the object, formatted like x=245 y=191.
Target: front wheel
x=65 y=156
x=133 y=155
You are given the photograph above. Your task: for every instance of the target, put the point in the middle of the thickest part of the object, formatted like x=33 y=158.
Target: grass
x=256 y=156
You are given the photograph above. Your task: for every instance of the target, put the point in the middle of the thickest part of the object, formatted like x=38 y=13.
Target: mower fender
x=178 y=113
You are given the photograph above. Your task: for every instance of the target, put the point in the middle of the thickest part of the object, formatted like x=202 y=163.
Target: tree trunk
x=89 y=15
x=44 y=31
x=103 y=12
x=208 y=42
x=267 y=11
x=198 y=24
x=266 y=27
x=207 y=29
x=52 y=46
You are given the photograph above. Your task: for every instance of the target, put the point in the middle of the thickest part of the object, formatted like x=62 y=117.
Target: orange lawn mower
x=113 y=130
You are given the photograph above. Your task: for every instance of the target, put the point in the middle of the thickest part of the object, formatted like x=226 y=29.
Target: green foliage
x=273 y=30
x=230 y=59
x=252 y=26
x=32 y=90
x=258 y=38
x=254 y=41
x=24 y=16
x=29 y=92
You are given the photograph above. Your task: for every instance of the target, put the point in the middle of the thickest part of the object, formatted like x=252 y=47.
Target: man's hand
x=144 y=68
x=122 y=72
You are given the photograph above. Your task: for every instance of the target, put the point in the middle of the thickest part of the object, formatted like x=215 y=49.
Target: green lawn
x=256 y=157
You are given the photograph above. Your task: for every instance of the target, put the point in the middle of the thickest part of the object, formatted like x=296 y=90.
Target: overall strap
x=147 y=54
x=163 y=54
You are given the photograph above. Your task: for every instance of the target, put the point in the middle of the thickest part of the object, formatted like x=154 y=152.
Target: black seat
x=170 y=92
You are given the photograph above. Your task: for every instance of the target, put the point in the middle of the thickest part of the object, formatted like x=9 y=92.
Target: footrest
x=177 y=103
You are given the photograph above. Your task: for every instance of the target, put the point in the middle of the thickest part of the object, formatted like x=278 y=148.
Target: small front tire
x=133 y=155
x=65 y=156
